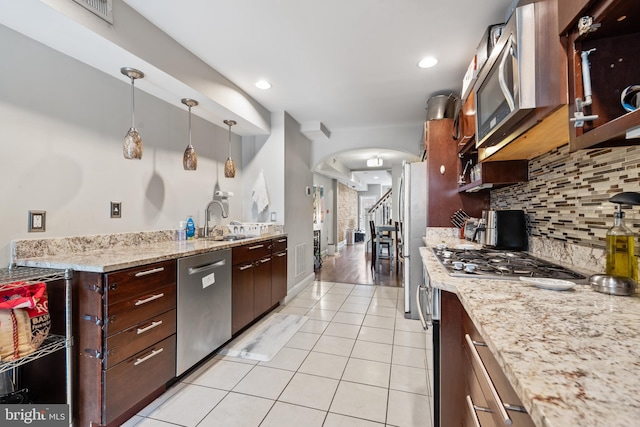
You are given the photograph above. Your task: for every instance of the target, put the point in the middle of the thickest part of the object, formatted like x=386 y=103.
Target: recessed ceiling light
x=263 y=84
x=427 y=62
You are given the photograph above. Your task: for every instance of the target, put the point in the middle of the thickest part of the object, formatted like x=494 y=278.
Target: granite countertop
x=573 y=357
x=125 y=256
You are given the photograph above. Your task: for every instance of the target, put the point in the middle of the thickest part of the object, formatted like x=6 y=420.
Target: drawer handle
x=473 y=408
x=281 y=254
x=282 y=240
x=503 y=413
x=147 y=272
x=255 y=247
x=515 y=408
x=244 y=267
x=151 y=298
x=262 y=261
x=151 y=326
x=148 y=356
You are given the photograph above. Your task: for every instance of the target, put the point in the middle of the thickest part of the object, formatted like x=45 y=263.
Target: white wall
x=266 y=154
x=298 y=206
x=63 y=124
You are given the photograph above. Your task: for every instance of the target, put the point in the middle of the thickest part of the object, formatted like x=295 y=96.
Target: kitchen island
x=572 y=357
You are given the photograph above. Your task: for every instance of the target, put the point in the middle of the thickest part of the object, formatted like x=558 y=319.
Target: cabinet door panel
x=262 y=286
x=279 y=277
x=132 y=380
x=242 y=296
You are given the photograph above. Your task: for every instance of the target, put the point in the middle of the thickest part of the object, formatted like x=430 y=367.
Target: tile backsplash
x=566 y=197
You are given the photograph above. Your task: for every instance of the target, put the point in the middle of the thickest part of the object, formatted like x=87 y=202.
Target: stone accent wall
x=566 y=198
x=347 y=210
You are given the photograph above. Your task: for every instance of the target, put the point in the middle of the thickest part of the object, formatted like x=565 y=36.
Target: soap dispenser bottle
x=621 y=259
x=191 y=229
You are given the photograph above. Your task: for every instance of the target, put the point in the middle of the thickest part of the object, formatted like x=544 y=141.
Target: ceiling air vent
x=102 y=8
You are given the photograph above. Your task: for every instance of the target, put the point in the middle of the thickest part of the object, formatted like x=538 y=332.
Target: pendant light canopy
x=229 y=166
x=132 y=148
x=190 y=158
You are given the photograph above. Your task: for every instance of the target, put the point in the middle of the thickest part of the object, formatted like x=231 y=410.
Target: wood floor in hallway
x=352 y=264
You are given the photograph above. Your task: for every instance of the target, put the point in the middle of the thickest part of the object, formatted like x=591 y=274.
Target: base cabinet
x=259 y=280
x=251 y=283
x=471 y=377
x=126 y=340
x=279 y=270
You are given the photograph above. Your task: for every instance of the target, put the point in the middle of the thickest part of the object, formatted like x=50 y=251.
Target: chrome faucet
x=207 y=213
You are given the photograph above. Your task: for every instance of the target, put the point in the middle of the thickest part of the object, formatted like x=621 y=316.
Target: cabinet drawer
x=137 y=377
x=250 y=252
x=279 y=244
x=131 y=312
x=127 y=284
x=135 y=339
x=497 y=392
x=476 y=404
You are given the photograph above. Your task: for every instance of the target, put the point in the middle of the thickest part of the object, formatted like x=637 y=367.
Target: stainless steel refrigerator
x=412 y=204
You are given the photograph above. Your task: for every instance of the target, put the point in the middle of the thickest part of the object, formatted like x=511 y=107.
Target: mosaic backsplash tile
x=566 y=198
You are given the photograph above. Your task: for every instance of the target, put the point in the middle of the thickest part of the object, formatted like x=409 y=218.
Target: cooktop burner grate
x=493 y=264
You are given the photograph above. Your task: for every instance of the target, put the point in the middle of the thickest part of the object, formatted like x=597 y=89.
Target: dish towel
x=259 y=193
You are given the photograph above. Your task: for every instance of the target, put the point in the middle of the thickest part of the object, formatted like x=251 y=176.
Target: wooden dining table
x=380 y=229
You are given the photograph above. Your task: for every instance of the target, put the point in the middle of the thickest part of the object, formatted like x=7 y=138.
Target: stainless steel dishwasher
x=204 y=306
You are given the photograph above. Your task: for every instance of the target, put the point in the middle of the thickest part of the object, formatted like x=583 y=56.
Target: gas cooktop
x=498 y=264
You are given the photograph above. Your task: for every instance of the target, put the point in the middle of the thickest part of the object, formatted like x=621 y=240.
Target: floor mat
x=266 y=338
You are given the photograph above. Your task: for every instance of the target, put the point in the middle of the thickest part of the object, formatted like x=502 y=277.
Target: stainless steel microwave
x=506 y=88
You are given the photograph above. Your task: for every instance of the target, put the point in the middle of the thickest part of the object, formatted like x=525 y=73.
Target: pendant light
x=190 y=158
x=229 y=166
x=132 y=148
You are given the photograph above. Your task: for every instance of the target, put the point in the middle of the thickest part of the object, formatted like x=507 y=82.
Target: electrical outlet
x=116 y=210
x=37 y=221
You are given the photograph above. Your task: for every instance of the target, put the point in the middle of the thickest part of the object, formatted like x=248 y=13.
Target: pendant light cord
x=133 y=109
x=189 y=125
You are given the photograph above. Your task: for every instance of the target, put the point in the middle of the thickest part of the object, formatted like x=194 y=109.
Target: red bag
x=24 y=319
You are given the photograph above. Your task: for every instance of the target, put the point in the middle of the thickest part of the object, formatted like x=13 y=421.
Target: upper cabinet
x=602 y=41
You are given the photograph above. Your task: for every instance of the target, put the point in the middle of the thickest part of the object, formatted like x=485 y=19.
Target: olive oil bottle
x=621 y=260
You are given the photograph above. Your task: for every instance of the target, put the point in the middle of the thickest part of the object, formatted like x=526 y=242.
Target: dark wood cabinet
x=614 y=64
x=279 y=270
x=474 y=176
x=126 y=323
x=251 y=283
x=442 y=177
x=241 y=296
x=471 y=377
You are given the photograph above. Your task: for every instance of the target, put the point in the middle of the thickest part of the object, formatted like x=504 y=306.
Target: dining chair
x=377 y=250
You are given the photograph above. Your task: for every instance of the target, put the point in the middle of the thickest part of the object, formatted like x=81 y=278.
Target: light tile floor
x=357 y=362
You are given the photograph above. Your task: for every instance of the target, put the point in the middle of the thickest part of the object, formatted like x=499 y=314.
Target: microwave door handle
x=501 y=75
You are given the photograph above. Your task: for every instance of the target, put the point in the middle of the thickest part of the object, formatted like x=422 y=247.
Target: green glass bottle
x=621 y=260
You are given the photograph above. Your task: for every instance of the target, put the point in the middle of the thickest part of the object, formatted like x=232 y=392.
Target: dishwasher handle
x=206 y=267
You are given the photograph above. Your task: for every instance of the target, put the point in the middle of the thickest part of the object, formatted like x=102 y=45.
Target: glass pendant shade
x=190 y=158
x=132 y=148
x=229 y=166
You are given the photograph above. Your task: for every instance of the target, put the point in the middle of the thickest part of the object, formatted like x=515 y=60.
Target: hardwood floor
x=352 y=264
